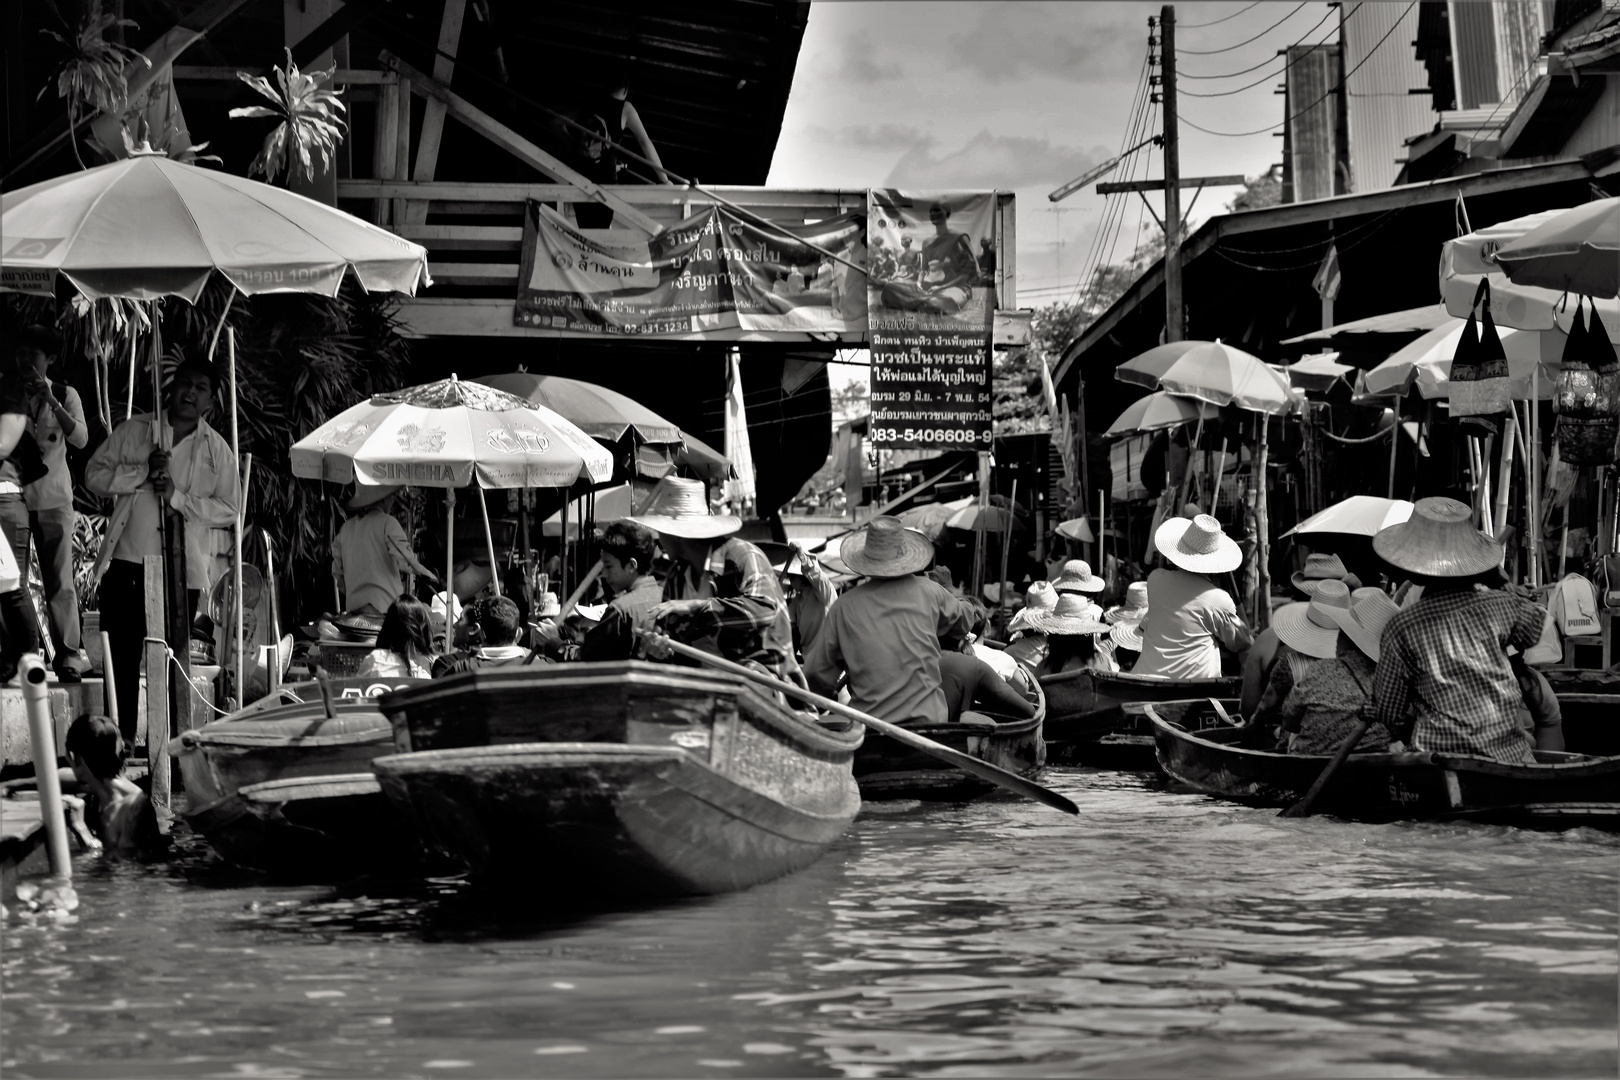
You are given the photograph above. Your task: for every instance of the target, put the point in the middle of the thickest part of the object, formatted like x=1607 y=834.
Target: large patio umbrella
x=693 y=454
x=1467 y=259
x=1577 y=251
x=1158 y=410
x=1426 y=363
x=597 y=411
x=930 y=519
x=1144 y=369
x=1212 y=371
x=1317 y=374
x=1359 y=515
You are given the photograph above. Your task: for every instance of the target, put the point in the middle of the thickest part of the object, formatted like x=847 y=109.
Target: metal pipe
x=43 y=739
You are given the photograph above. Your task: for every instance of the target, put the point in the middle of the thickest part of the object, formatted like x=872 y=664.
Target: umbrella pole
x=562 y=545
x=1186 y=477
x=1262 y=529
x=331 y=543
x=528 y=553
x=1102 y=532
x=1504 y=476
x=1394 y=440
x=241 y=516
x=1006 y=546
x=489 y=541
x=449 y=564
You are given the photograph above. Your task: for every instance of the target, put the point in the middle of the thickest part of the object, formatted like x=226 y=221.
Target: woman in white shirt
x=404 y=644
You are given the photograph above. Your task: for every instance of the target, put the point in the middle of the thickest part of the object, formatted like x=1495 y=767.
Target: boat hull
x=1084 y=706
x=1560 y=791
x=617 y=780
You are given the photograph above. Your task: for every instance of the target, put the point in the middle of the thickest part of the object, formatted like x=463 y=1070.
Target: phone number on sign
x=933 y=435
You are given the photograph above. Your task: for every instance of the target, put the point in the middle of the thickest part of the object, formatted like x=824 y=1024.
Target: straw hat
x=679 y=507
x=1370 y=611
x=591 y=612
x=886 y=549
x=1438 y=541
x=370 y=495
x=546 y=605
x=1135 y=607
x=1038 y=601
x=1077 y=577
x=1313 y=627
x=1075 y=529
x=1072 y=614
x=1320 y=568
x=1127 y=635
x=1198 y=545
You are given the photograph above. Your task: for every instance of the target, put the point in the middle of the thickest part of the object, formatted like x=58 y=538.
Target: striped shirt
x=745 y=615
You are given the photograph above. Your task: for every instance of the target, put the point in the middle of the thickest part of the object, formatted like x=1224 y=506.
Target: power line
x=1239 y=45
x=1217 y=22
x=1270 y=75
x=1110 y=202
x=1262 y=131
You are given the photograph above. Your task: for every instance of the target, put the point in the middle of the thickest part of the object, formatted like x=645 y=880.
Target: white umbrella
x=1426 y=362
x=1359 y=515
x=1212 y=371
x=1468 y=258
x=1159 y=410
x=1578 y=250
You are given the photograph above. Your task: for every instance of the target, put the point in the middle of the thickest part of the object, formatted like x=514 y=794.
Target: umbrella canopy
x=1214 y=372
x=930 y=519
x=1159 y=410
x=146 y=226
x=1318 y=373
x=597 y=411
x=1465 y=260
x=692 y=454
x=1358 y=333
x=1427 y=363
x=995 y=518
x=1577 y=250
x=446 y=434
x=1359 y=515
x=612 y=504
x=1145 y=369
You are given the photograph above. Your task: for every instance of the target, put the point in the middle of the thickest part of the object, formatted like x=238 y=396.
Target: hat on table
x=1135 y=607
x=1312 y=627
x=1198 y=545
x=886 y=549
x=1363 y=623
x=1039 y=600
x=680 y=507
x=370 y=495
x=1077 y=577
x=1320 y=568
x=547 y=606
x=1072 y=614
x=1438 y=541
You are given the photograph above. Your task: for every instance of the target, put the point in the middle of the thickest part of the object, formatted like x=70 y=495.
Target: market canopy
x=1577 y=250
x=1359 y=515
x=1351 y=335
x=1426 y=363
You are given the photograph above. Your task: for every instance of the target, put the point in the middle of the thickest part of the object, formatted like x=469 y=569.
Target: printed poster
x=930 y=309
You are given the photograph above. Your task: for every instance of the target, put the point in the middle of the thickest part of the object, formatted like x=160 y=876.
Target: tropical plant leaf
x=310 y=123
x=91 y=76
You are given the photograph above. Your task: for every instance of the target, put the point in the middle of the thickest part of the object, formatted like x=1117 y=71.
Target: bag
x=1575 y=607
x=1587 y=403
x=29 y=461
x=1479 y=369
x=1547 y=649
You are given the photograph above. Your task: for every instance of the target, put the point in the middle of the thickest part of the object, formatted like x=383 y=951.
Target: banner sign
x=930 y=310
x=715 y=270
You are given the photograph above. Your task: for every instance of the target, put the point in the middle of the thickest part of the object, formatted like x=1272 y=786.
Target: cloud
x=858 y=62
x=1080 y=43
x=992 y=161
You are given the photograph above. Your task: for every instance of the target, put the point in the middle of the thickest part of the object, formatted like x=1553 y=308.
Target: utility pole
x=1174 y=319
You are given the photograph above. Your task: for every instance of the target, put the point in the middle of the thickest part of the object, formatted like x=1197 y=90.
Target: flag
x=741 y=489
x=1327 y=279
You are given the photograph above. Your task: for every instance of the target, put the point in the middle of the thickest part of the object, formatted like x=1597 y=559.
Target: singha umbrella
x=1159 y=410
x=1576 y=251
x=1359 y=515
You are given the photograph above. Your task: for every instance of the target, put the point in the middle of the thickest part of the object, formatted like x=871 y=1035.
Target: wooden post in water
x=1262 y=529
x=157 y=694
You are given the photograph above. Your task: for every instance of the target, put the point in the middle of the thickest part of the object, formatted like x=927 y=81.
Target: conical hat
x=886 y=549
x=1438 y=541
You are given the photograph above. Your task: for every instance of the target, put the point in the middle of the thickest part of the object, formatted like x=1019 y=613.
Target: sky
x=976 y=95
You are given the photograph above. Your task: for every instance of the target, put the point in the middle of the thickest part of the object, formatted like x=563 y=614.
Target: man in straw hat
x=886 y=632
x=1444 y=681
x=371 y=551
x=721 y=593
x=1190 y=618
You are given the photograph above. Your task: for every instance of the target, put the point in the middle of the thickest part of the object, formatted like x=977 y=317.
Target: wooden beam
x=215 y=73
x=454 y=273
x=385 y=143
x=427 y=147
x=1126 y=186
x=464 y=237
x=157 y=692
x=513 y=143
x=819 y=202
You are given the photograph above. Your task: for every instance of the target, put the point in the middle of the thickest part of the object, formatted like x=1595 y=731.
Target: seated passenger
x=1190 y=618
x=404 y=643
x=627 y=558
x=1072 y=628
x=1029 y=646
x=973 y=688
x=499 y=624
x=1320 y=687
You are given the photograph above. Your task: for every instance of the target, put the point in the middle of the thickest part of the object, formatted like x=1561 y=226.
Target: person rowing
x=1190 y=618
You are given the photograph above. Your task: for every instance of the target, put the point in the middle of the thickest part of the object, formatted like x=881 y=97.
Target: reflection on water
x=1157 y=934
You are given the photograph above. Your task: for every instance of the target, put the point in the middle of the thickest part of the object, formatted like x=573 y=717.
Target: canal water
x=1158 y=934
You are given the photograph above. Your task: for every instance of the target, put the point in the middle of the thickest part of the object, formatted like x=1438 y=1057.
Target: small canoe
x=1590 y=702
x=1130 y=747
x=617 y=780
x=1084 y=706
x=1560 y=791
x=286 y=739
x=887 y=770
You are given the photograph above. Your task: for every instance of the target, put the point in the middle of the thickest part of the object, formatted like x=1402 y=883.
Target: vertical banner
x=930 y=306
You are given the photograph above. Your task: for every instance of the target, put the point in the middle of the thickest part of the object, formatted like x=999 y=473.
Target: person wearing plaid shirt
x=1444 y=682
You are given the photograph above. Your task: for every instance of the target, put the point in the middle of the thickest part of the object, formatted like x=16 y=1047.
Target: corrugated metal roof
x=1383 y=113
x=1312 y=108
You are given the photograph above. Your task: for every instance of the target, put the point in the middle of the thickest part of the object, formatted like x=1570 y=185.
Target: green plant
x=310 y=125
x=91 y=76
x=88 y=532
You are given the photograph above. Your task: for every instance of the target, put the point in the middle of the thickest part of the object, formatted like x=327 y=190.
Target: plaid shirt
x=1444 y=683
x=745 y=617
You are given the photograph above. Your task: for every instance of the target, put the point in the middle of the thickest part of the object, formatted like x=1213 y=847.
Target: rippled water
x=1158 y=934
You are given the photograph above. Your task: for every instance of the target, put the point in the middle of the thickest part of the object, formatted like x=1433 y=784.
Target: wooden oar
x=1303 y=807
x=966 y=762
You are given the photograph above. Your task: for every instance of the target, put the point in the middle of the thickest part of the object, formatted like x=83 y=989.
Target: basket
x=340 y=658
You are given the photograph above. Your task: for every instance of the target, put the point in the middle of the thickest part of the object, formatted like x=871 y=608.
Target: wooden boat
x=1130 y=746
x=619 y=780
x=1590 y=702
x=1084 y=706
x=1562 y=790
x=887 y=770
x=282 y=787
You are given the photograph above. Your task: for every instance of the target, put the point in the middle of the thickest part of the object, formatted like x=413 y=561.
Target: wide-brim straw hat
x=1040 y=599
x=886 y=549
x=1077 y=577
x=591 y=612
x=1312 y=627
x=680 y=507
x=1370 y=611
x=1198 y=545
x=370 y=495
x=1135 y=607
x=1127 y=635
x=1073 y=614
x=1438 y=541
x=1078 y=529
x=1320 y=568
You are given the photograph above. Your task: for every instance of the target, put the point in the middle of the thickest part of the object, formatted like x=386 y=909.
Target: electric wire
x=1113 y=210
x=1270 y=75
x=1224 y=18
x=1239 y=45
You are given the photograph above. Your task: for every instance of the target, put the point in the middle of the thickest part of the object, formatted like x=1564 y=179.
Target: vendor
x=369 y=551
x=1190 y=618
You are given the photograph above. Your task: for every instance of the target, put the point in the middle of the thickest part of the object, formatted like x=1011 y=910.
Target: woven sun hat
x=1370 y=611
x=1072 y=614
x=1127 y=635
x=680 y=507
x=547 y=606
x=1038 y=601
x=1135 y=607
x=1076 y=529
x=591 y=612
x=886 y=549
x=1197 y=545
x=1312 y=627
x=1320 y=568
x=370 y=495
x=1077 y=577
x=1438 y=541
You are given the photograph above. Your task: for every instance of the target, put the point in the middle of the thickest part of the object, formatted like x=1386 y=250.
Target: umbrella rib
x=190 y=217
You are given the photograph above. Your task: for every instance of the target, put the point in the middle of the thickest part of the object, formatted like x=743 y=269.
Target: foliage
x=310 y=124
x=1262 y=191
x=91 y=76
x=850 y=401
x=88 y=532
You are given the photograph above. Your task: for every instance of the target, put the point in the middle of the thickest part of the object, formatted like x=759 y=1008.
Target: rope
x=1375 y=437
x=175 y=660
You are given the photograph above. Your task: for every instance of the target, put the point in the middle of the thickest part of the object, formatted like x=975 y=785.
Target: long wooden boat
x=1590 y=702
x=618 y=780
x=247 y=782
x=1562 y=790
x=887 y=770
x=1130 y=747
x=1084 y=706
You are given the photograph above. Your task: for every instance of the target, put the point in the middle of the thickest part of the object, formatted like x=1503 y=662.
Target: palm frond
x=310 y=122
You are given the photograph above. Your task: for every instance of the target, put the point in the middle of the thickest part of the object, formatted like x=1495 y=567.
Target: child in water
x=122 y=814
